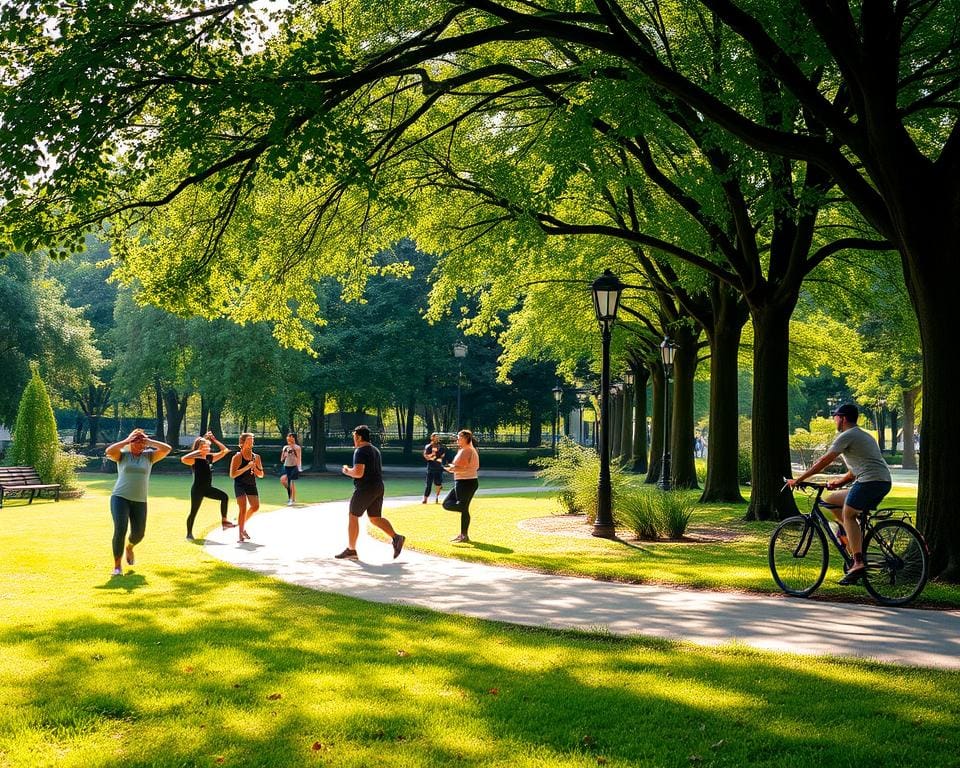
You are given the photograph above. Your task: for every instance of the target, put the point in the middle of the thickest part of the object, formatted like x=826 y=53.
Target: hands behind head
x=137 y=436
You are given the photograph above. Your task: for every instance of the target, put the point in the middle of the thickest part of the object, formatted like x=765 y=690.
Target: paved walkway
x=297 y=545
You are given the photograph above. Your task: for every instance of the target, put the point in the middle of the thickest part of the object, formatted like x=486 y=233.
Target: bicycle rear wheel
x=897 y=562
x=798 y=556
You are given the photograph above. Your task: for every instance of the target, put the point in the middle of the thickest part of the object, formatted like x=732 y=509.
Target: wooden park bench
x=23 y=480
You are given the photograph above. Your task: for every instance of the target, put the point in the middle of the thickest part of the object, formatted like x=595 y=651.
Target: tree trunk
x=656 y=425
x=770 y=460
x=400 y=416
x=932 y=282
x=909 y=409
x=723 y=483
x=215 y=413
x=683 y=468
x=536 y=429
x=204 y=415
x=882 y=431
x=318 y=432
x=176 y=408
x=639 y=452
x=411 y=410
x=78 y=430
x=893 y=429
x=158 y=396
x=94 y=421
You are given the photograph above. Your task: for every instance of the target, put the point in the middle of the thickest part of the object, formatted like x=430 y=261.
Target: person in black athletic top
x=367 y=474
x=245 y=468
x=201 y=460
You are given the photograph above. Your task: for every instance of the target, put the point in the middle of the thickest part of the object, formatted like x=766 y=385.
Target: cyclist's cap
x=848 y=410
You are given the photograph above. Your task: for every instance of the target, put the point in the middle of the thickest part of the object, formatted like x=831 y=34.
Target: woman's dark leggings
x=127 y=513
x=197 y=495
x=434 y=478
x=458 y=500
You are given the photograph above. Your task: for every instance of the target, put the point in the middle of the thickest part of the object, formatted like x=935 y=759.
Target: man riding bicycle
x=868 y=470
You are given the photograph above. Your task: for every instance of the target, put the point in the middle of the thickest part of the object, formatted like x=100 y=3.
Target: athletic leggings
x=197 y=495
x=124 y=513
x=458 y=500
x=434 y=477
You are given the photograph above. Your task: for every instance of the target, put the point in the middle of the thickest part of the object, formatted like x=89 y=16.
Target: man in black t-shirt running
x=367 y=474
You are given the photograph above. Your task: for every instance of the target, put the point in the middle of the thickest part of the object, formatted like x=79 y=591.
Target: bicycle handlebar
x=802 y=484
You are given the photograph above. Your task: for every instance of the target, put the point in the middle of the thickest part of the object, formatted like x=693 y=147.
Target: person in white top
x=291 y=457
x=465 y=466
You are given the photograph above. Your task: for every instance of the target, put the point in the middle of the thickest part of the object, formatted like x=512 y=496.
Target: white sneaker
x=290 y=502
x=117 y=572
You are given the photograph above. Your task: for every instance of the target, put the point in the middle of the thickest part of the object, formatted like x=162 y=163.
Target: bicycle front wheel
x=897 y=562
x=798 y=556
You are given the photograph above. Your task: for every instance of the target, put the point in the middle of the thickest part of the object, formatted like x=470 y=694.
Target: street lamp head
x=606 y=298
x=558 y=393
x=668 y=351
x=459 y=350
x=629 y=378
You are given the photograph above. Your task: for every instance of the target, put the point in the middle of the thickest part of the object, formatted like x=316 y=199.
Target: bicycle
x=896 y=556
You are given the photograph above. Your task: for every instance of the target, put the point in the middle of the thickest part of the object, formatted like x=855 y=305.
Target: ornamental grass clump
x=652 y=514
x=576 y=472
x=676 y=509
x=636 y=509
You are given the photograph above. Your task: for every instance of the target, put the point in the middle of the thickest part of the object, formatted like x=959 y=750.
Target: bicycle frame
x=817 y=517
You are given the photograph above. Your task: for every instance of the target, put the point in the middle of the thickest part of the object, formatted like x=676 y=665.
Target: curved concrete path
x=297 y=545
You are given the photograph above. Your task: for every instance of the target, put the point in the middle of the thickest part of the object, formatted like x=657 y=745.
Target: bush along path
x=298 y=545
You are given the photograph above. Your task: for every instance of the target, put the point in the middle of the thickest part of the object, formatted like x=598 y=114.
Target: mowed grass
x=186 y=661
x=725 y=552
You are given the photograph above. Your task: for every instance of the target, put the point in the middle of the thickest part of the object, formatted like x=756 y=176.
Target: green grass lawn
x=187 y=661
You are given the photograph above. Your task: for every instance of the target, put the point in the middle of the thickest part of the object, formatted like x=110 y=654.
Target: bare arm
x=160 y=450
x=223 y=450
x=824 y=461
x=189 y=458
x=356 y=471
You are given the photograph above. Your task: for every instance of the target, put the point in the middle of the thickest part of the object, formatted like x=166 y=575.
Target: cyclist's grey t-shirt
x=862 y=455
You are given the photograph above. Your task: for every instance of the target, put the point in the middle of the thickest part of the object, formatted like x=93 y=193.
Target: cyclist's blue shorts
x=863 y=496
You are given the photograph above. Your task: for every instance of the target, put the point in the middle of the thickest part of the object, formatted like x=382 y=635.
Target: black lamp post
x=606 y=301
x=459 y=352
x=668 y=351
x=558 y=396
x=626 y=451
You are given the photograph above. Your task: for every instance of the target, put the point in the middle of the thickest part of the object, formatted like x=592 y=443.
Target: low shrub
x=576 y=472
x=66 y=464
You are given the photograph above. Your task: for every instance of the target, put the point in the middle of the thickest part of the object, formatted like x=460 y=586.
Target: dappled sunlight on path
x=298 y=545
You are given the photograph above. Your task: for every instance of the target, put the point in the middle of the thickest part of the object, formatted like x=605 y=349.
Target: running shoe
x=348 y=554
x=398 y=544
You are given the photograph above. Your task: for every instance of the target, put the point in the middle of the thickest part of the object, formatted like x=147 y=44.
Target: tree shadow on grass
x=126 y=583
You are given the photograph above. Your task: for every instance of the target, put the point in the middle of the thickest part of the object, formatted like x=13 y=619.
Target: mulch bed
x=576 y=526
